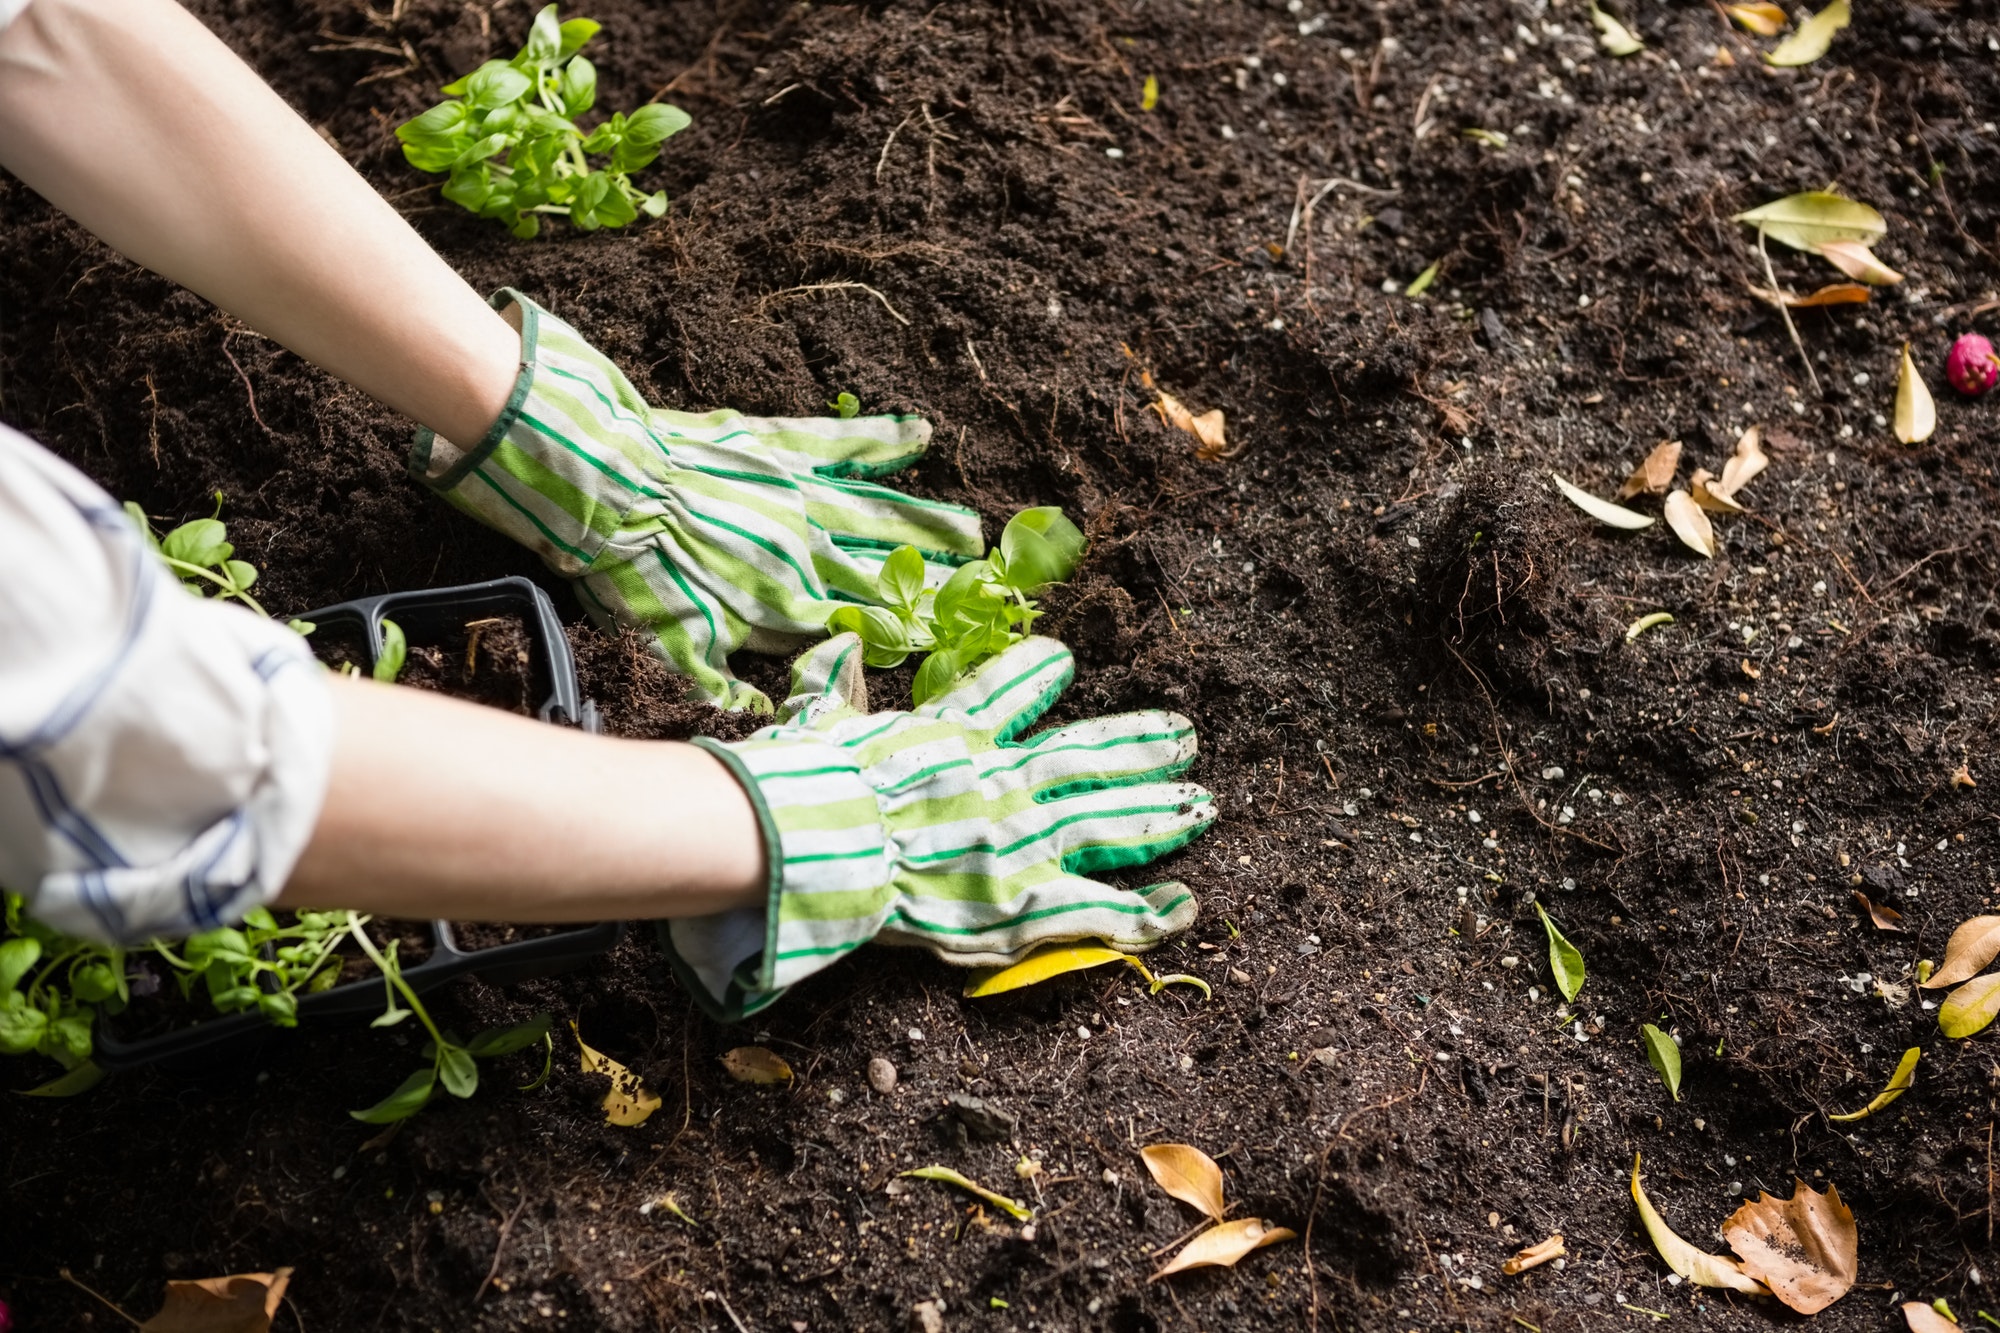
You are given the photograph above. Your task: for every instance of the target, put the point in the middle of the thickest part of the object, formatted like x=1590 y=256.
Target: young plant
x=508 y=138
x=52 y=988
x=985 y=605
x=201 y=555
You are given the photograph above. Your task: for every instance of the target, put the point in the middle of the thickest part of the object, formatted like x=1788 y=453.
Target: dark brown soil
x=473 y=936
x=1406 y=656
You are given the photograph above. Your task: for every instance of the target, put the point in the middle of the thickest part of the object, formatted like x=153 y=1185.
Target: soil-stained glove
x=711 y=532
x=940 y=827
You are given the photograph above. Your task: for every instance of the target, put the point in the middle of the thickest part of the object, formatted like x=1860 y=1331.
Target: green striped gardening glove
x=708 y=531
x=942 y=827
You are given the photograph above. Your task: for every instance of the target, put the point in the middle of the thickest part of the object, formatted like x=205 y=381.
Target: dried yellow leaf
x=1187 y=1173
x=1885 y=918
x=1655 y=474
x=1602 y=510
x=243 y=1303
x=1899 y=1083
x=1858 y=262
x=1698 y=1267
x=1837 y=293
x=1766 y=20
x=944 y=1175
x=1748 y=460
x=1702 y=486
x=1805 y=1248
x=1043 y=964
x=1916 y=414
x=629 y=1102
x=756 y=1064
x=1810 y=42
x=1207 y=428
x=1684 y=516
x=1222 y=1246
x=1971 y=1007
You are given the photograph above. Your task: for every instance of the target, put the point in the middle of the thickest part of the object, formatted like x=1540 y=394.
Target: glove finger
x=1115 y=827
x=863 y=514
x=1007 y=693
x=827 y=679
x=830 y=446
x=1102 y=752
x=1062 y=909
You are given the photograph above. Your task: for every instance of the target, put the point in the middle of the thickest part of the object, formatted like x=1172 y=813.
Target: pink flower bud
x=1971 y=367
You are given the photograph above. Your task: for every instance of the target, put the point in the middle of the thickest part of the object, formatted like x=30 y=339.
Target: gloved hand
x=940 y=827
x=709 y=532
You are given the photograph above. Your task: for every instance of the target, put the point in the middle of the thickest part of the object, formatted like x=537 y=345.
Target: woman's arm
x=131 y=117
x=440 y=808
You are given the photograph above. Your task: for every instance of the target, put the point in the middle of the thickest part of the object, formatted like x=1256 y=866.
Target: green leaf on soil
x=1809 y=220
x=408 y=1099
x=1665 y=1055
x=1810 y=42
x=1644 y=623
x=944 y=1175
x=1491 y=138
x=1697 y=1266
x=1616 y=38
x=1422 y=282
x=1899 y=1083
x=1564 y=960
x=395 y=652
x=80 y=1079
x=1971 y=1007
x=1602 y=510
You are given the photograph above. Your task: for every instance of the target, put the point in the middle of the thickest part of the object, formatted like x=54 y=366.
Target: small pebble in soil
x=881 y=1076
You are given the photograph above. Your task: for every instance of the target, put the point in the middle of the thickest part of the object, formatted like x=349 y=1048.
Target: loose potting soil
x=1407 y=658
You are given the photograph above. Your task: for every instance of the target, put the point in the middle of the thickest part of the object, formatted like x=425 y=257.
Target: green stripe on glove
x=940 y=827
x=710 y=531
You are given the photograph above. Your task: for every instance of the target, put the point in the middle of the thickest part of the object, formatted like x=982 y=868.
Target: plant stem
x=394 y=974
x=1785 y=311
x=228 y=586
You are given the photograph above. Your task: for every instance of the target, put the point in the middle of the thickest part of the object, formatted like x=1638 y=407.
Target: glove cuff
x=831 y=865
x=442 y=465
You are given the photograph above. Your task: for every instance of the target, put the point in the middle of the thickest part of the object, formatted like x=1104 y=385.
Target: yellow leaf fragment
x=1924 y=1318
x=1963 y=777
x=1684 y=516
x=1207 y=428
x=1971 y=947
x=629 y=1102
x=1766 y=20
x=1222 y=1246
x=1615 y=37
x=1809 y=220
x=1704 y=486
x=1809 y=43
x=1804 y=1248
x=756 y=1064
x=1916 y=414
x=1043 y=964
x=1534 y=1256
x=1602 y=510
x=1971 y=1007
x=1187 y=1173
x=1899 y=1083
x=1646 y=622
x=1748 y=460
x=1858 y=262
x=1149 y=96
x=1655 y=474
x=1422 y=282
x=243 y=1303
x=944 y=1175
x=1702 y=1269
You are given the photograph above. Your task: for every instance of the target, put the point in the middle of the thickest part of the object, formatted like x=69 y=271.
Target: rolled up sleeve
x=162 y=757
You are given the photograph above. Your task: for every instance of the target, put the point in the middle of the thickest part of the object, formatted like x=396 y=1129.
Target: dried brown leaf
x=1916 y=412
x=756 y=1064
x=1971 y=947
x=1804 y=1248
x=243 y=1303
x=1885 y=918
x=1655 y=474
x=1963 y=777
x=1534 y=1256
x=1858 y=262
x=1187 y=1173
x=1923 y=1318
x=1684 y=516
x=1748 y=460
x=629 y=1102
x=1207 y=429
x=1834 y=293
x=1221 y=1246
x=1702 y=487
x=1766 y=20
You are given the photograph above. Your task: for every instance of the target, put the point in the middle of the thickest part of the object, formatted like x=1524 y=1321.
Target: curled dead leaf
x=1804 y=1248
x=1743 y=465
x=1971 y=947
x=756 y=1064
x=1602 y=510
x=1834 y=293
x=1222 y=1246
x=1858 y=262
x=629 y=1102
x=1207 y=428
x=1697 y=1266
x=242 y=1303
x=1684 y=516
x=1924 y=1318
x=1916 y=413
x=1534 y=1256
x=1963 y=777
x=1899 y=1083
x=1187 y=1173
x=1655 y=474
x=1766 y=20
x=1702 y=486
x=1885 y=918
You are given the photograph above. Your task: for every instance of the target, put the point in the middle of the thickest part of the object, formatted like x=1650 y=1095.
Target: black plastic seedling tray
x=424 y=617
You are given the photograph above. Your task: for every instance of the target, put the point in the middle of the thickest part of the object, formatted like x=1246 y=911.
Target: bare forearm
x=136 y=121
x=439 y=808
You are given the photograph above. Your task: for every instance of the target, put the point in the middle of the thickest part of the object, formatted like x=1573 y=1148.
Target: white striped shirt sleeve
x=162 y=757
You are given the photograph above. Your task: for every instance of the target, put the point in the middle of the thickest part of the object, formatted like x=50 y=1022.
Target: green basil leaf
x=93 y=983
x=395 y=651
x=280 y=1007
x=845 y=406
x=495 y=84
x=602 y=139
x=527 y=228
x=936 y=675
x=504 y=1041
x=579 y=86
x=459 y=1071
x=961 y=586
x=408 y=1099
x=655 y=205
x=544 y=43
x=17 y=959
x=434 y=156
x=901 y=582
x=21 y=1025
x=1040 y=547
x=629 y=157
x=68 y=1039
x=201 y=542
x=241 y=572
x=480 y=150
x=469 y=189
x=80 y=1079
x=145 y=526
x=443 y=118
x=654 y=122
x=575 y=32
x=616 y=210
